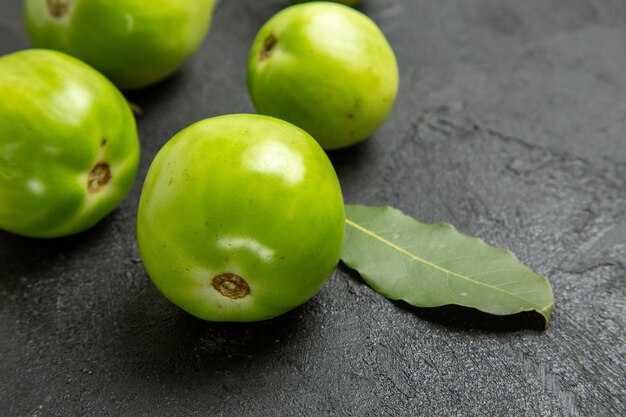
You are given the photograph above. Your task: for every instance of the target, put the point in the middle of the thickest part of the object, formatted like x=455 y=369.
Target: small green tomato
x=133 y=42
x=241 y=218
x=326 y=68
x=68 y=145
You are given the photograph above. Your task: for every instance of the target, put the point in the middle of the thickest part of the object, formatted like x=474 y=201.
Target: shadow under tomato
x=350 y=154
x=162 y=341
x=349 y=162
x=27 y=257
x=147 y=98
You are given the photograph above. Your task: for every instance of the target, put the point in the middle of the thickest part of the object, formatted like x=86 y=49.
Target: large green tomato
x=326 y=68
x=133 y=42
x=241 y=218
x=68 y=144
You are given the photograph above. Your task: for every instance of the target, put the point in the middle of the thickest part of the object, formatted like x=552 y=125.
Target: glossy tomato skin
x=243 y=196
x=326 y=68
x=135 y=43
x=68 y=145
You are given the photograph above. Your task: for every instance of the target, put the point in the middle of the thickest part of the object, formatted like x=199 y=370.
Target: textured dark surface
x=510 y=124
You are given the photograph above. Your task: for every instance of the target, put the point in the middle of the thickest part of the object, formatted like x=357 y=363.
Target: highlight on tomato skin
x=241 y=218
x=68 y=145
x=135 y=43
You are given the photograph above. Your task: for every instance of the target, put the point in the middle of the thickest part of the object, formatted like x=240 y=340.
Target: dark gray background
x=510 y=124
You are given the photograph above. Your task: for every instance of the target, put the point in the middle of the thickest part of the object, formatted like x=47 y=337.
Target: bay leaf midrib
x=432 y=265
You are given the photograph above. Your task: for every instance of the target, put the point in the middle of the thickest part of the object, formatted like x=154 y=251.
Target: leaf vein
x=432 y=265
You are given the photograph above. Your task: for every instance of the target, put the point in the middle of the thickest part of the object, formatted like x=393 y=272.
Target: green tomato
x=346 y=2
x=241 y=218
x=133 y=42
x=326 y=68
x=68 y=145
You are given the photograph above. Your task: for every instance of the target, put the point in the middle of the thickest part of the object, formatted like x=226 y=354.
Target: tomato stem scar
x=231 y=285
x=268 y=45
x=58 y=8
x=99 y=176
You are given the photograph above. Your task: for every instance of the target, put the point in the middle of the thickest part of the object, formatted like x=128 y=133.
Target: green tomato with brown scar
x=68 y=144
x=326 y=68
x=241 y=218
x=135 y=43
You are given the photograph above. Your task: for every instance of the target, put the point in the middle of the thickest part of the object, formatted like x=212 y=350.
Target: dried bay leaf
x=431 y=265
